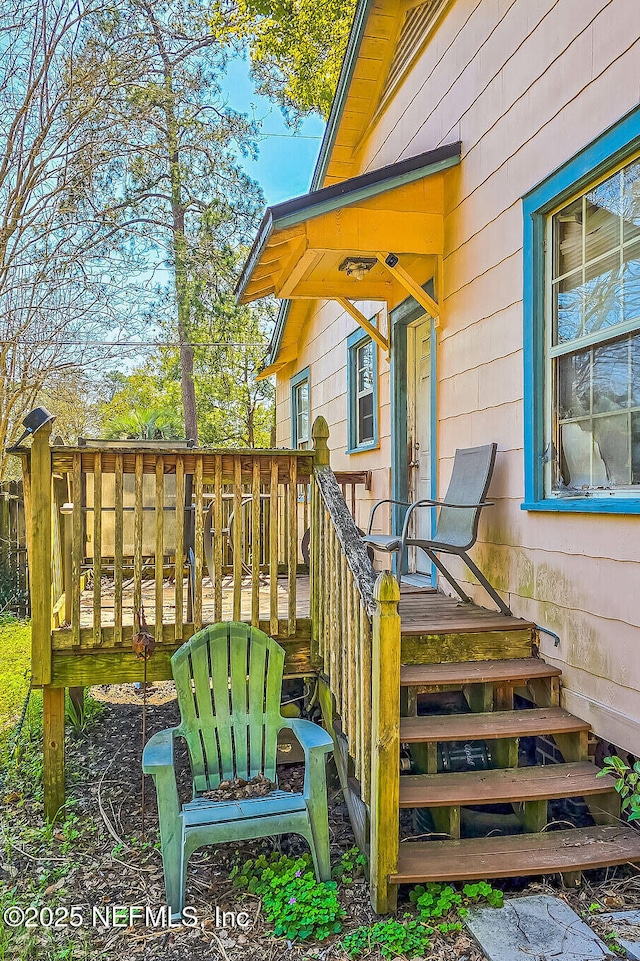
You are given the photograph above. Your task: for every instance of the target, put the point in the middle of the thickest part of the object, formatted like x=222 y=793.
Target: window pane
x=631 y=282
x=635 y=448
x=580 y=465
x=602 y=227
x=611 y=376
x=611 y=435
x=574 y=385
x=567 y=239
x=365 y=418
x=365 y=367
x=602 y=294
x=302 y=413
x=631 y=201
x=567 y=296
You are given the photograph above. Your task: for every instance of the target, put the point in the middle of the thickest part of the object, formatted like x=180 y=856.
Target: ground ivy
x=293 y=901
x=440 y=909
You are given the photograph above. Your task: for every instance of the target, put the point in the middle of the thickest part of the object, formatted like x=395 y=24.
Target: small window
x=362 y=375
x=364 y=393
x=300 y=410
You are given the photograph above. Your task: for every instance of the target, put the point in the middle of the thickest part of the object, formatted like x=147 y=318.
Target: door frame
x=400 y=319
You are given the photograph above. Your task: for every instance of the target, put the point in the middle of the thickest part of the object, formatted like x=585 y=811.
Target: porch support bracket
x=362 y=321
x=390 y=262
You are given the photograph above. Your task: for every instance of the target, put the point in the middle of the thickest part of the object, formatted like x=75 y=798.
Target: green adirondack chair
x=228 y=680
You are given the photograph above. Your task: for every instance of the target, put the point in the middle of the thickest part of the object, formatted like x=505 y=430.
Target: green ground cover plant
x=15 y=651
x=293 y=901
x=440 y=909
x=627 y=779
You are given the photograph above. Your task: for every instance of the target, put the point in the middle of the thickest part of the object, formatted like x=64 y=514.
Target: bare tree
x=55 y=301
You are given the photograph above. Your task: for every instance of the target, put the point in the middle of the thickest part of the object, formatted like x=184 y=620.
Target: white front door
x=419 y=422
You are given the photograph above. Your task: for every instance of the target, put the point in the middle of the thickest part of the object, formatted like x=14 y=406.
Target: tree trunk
x=181 y=278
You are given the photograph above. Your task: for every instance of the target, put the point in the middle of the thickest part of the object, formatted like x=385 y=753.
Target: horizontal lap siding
x=524 y=84
x=322 y=347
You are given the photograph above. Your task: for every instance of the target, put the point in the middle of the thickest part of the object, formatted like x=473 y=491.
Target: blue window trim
x=611 y=148
x=355 y=340
x=401 y=317
x=297 y=379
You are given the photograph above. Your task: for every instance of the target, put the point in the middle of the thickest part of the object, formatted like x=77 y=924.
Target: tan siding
x=524 y=84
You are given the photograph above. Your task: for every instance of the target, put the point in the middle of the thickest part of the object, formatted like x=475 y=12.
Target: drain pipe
x=545 y=630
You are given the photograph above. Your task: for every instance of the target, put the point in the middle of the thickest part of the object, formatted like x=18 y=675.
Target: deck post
x=385 y=743
x=53 y=746
x=40 y=560
x=320 y=436
x=41 y=618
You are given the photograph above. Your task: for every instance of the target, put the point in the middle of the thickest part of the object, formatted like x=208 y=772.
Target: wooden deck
x=168 y=607
x=423 y=611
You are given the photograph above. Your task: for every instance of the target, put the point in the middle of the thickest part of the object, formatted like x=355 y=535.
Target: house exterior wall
x=323 y=349
x=525 y=85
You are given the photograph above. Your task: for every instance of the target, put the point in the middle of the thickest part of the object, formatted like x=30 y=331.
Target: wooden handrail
x=356 y=647
x=350 y=538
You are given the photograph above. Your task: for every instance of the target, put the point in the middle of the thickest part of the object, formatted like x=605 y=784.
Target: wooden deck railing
x=130 y=520
x=355 y=628
x=129 y=524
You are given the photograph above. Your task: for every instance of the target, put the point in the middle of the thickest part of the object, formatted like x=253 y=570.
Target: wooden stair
x=483 y=727
x=502 y=786
x=517 y=855
x=476 y=672
x=489 y=686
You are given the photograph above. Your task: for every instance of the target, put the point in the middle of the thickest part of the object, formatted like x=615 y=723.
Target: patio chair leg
x=447 y=576
x=491 y=591
x=402 y=553
x=318 y=816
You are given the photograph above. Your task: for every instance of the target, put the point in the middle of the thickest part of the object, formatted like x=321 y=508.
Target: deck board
x=168 y=600
x=521 y=854
x=497 y=724
x=424 y=611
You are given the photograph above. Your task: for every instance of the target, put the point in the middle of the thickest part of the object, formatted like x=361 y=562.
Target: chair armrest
x=312 y=737
x=157 y=760
x=316 y=743
x=429 y=503
x=158 y=752
x=386 y=500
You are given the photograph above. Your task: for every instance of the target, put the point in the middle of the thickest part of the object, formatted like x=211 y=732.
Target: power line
x=129 y=343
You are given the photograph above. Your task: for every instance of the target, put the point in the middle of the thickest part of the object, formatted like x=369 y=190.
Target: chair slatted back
x=228 y=681
x=470 y=479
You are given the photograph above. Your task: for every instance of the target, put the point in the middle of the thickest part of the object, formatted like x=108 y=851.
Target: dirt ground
x=104 y=855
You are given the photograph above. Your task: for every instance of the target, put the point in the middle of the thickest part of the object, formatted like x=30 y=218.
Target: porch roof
x=375 y=237
x=302 y=243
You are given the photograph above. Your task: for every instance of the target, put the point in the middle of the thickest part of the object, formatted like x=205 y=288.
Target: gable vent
x=413 y=32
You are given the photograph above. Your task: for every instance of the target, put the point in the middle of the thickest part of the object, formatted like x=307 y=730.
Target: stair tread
x=476 y=672
x=576 y=779
x=517 y=855
x=495 y=724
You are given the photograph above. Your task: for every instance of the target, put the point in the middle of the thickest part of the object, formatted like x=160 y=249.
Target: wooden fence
x=14 y=577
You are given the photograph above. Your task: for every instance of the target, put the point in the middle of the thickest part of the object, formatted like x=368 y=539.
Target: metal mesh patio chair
x=457 y=523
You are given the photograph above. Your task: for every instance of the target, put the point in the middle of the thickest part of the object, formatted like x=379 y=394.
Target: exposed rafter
x=392 y=264
x=362 y=321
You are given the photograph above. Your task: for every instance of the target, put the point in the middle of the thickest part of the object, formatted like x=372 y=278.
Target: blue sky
x=286 y=161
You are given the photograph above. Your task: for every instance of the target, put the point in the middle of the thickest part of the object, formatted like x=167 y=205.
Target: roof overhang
x=302 y=244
